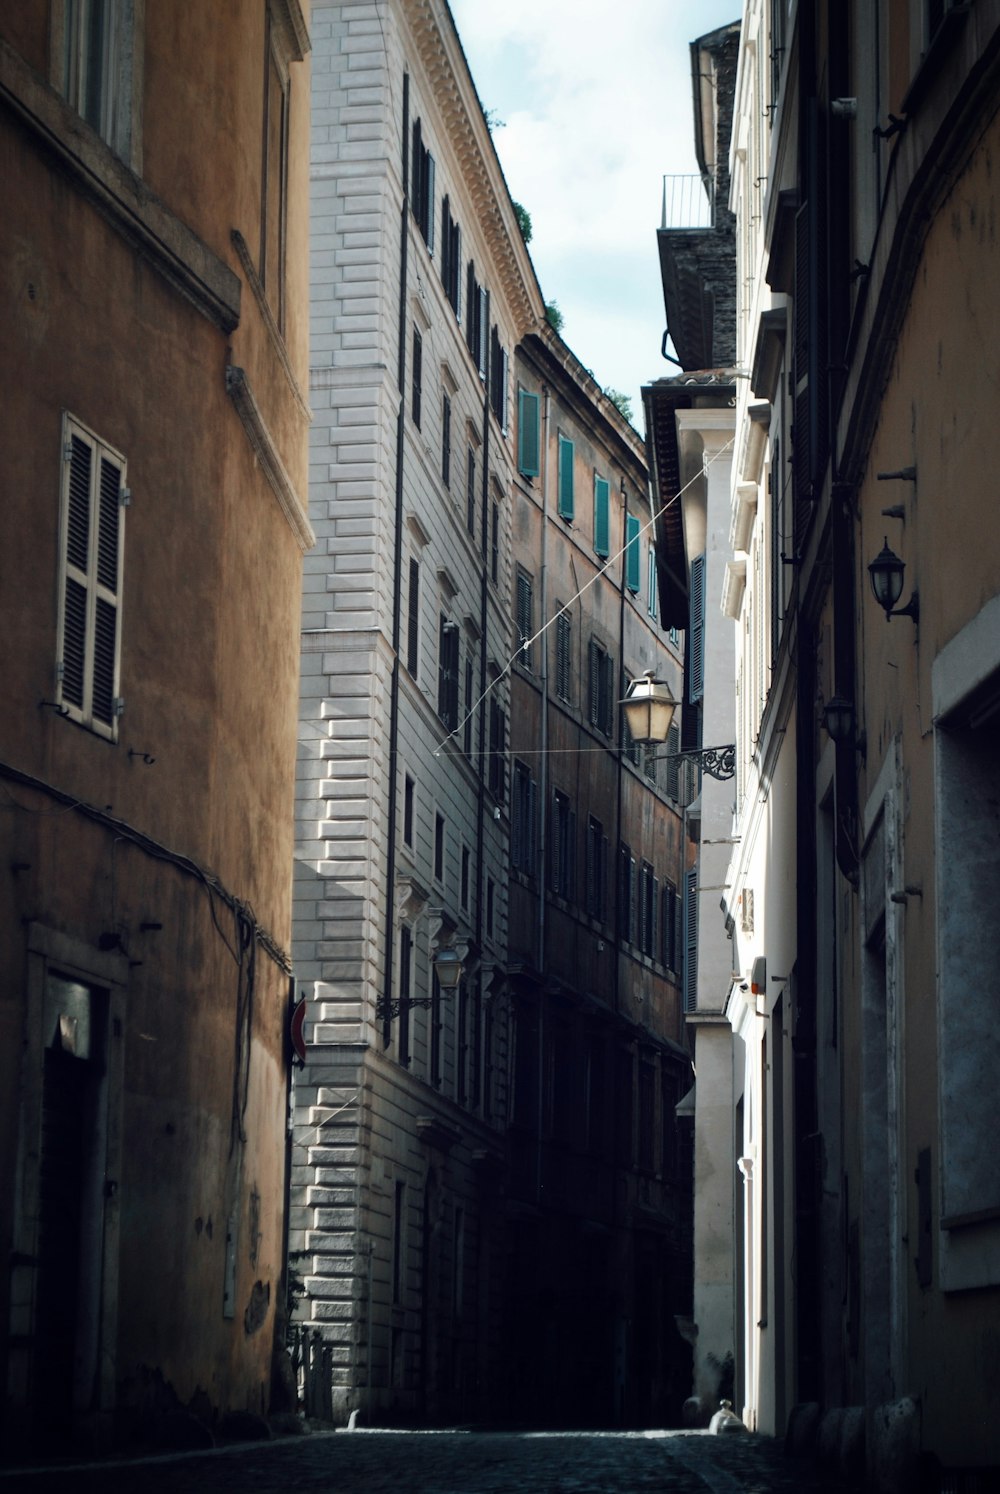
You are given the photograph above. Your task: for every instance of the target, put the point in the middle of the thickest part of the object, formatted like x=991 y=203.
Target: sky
x=596 y=100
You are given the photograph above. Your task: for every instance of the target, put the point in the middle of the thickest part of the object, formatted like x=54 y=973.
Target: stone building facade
x=154 y=364
x=598 y=1195
x=867 y=816
x=421 y=290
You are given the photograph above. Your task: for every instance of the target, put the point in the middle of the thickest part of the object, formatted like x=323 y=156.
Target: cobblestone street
x=453 y=1463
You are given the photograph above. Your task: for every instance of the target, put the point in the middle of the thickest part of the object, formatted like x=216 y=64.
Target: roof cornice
x=441 y=56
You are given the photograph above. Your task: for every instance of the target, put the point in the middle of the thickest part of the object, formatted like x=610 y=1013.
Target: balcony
x=686 y=203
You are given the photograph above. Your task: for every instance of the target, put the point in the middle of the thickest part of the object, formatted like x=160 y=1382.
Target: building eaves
x=444 y=61
x=709 y=389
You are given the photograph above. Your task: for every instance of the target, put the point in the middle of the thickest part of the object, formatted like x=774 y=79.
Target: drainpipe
x=397 y=570
x=543 y=675
x=484 y=575
x=620 y=771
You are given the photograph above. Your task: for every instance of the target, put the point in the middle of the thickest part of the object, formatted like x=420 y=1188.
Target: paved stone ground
x=373 y=1462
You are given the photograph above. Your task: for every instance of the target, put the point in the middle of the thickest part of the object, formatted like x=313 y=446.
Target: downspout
x=484 y=764
x=620 y=770
x=397 y=573
x=543 y=674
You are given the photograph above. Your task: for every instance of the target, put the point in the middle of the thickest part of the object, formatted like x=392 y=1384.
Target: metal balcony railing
x=686 y=203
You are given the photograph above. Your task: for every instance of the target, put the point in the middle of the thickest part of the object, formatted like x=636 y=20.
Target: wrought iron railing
x=686 y=203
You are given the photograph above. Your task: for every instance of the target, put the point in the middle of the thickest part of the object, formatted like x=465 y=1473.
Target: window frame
x=87 y=578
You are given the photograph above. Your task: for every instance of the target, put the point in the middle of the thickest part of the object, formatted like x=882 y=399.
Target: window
x=670 y=932
x=495 y=545
x=98 y=53
x=564 y=657
x=690 y=922
x=601 y=689
x=627 y=889
x=422 y=186
x=673 y=764
x=470 y=491
x=563 y=849
x=602 y=504
x=527 y=433
x=498 y=745
x=451 y=257
x=696 y=674
x=523 y=836
x=418 y=376
x=630 y=748
x=439 y=847
x=92 y=535
x=469 y=706
x=405 y=961
x=498 y=378
x=490 y=905
x=597 y=875
x=446 y=441
x=435 y=1032
x=651 y=581
x=647 y=1116
x=632 y=552
x=565 y=478
x=648 y=890
x=408 y=792
x=448 y=645
x=464 y=884
x=413 y=618
x=525 y=623
x=477 y=315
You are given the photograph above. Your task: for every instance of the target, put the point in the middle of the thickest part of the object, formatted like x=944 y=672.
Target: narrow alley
x=454 y=1462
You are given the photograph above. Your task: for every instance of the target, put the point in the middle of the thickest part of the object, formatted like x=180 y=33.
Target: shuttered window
x=564 y=677
x=524 y=816
x=413 y=618
x=451 y=257
x=632 y=552
x=92 y=530
x=422 y=186
x=690 y=940
x=448 y=646
x=651 y=588
x=565 y=478
x=602 y=523
x=696 y=677
x=597 y=869
x=525 y=622
x=527 y=433
x=418 y=377
x=670 y=932
x=601 y=689
x=562 y=853
x=470 y=491
x=446 y=440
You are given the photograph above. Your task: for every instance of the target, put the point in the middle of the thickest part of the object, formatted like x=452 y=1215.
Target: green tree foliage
x=523 y=221
x=621 y=402
x=554 y=316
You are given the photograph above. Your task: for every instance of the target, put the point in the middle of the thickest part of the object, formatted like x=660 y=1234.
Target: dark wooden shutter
x=524 y=618
x=413 y=618
x=696 y=676
x=593 y=680
x=563 y=659
x=527 y=432
x=74 y=641
x=690 y=940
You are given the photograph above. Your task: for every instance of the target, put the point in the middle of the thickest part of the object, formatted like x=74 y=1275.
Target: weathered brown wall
x=209 y=665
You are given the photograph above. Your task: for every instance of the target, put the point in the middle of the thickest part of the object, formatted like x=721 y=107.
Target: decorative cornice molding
x=239 y=391
x=454 y=93
x=123 y=198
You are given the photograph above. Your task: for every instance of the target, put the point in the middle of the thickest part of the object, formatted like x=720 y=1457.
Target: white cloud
x=597 y=99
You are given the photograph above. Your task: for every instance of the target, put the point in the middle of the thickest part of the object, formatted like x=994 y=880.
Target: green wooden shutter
x=602 y=491
x=632 y=552
x=527 y=433
x=565 y=478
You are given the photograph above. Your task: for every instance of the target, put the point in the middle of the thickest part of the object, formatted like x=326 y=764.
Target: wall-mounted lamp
x=840 y=722
x=649 y=710
x=886 y=572
x=449 y=968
